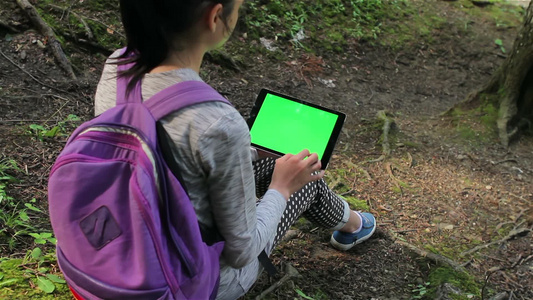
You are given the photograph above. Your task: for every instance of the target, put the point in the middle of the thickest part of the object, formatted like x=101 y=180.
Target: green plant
x=329 y=23
x=43 y=238
x=39 y=273
x=5 y=166
x=303 y=295
x=318 y=295
x=43 y=131
x=35 y=269
x=15 y=217
x=499 y=43
x=419 y=290
x=17 y=222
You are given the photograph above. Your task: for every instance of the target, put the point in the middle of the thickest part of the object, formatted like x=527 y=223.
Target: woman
x=167 y=40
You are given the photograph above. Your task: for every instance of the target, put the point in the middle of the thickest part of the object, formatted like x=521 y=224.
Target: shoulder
x=209 y=118
x=106 y=91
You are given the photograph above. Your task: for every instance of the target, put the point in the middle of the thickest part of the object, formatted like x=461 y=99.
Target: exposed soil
x=446 y=187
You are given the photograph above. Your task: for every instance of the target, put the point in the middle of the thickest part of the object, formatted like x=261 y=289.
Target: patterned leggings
x=315 y=201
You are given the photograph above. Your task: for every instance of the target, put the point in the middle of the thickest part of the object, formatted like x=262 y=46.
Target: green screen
x=289 y=127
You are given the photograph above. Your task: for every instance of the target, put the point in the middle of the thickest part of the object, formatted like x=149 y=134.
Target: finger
x=312 y=159
x=318 y=176
x=285 y=157
x=303 y=154
x=316 y=166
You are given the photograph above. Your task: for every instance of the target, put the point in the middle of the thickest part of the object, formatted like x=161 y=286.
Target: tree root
x=47 y=31
x=439 y=259
x=290 y=271
x=388 y=167
x=388 y=122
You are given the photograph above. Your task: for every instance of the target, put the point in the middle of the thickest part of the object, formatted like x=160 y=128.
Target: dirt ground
x=447 y=187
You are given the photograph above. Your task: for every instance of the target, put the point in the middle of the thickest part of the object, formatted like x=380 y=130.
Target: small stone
x=445 y=226
x=40 y=44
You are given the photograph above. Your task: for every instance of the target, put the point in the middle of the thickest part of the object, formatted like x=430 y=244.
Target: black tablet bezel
x=334 y=135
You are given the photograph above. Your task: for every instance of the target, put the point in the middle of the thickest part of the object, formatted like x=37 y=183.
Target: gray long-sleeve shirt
x=212 y=147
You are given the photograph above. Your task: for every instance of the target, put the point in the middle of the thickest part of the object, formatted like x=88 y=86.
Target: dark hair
x=152 y=27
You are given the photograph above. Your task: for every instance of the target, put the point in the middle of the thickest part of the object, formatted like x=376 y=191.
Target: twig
x=405 y=231
x=519 y=197
x=493 y=270
x=371 y=96
x=514 y=233
x=291 y=273
x=31 y=76
x=504 y=161
x=347 y=193
x=45 y=30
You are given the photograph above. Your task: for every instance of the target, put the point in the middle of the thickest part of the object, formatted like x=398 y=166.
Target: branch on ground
x=514 y=233
x=47 y=31
x=290 y=271
x=388 y=122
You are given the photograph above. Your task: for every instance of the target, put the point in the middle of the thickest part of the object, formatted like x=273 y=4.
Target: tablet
x=282 y=124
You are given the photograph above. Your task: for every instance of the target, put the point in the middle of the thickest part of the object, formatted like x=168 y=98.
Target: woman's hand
x=292 y=172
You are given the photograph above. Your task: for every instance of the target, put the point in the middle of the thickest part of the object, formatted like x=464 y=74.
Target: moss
x=430 y=248
x=357 y=204
x=467 y=133
x=411 y=144
x=502 y=14
x=463 y=281
x=490 y=116
x=15 y=283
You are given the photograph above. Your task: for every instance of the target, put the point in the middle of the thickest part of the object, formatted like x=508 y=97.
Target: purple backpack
x=124 y=224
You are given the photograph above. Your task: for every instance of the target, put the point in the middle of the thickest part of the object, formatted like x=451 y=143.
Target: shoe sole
x=345 y=247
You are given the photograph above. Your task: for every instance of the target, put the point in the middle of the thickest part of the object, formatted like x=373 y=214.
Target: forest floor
x=446 y=187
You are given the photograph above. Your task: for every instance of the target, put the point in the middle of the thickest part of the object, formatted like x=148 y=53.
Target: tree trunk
x=513 y=83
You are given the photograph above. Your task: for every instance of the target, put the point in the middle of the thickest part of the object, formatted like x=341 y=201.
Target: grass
x=34 y=275
x=327 y=25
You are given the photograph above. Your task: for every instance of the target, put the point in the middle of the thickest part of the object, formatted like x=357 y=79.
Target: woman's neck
x=190 y=58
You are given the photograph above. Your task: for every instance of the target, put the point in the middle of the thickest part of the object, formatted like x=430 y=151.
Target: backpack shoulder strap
x=181 y=95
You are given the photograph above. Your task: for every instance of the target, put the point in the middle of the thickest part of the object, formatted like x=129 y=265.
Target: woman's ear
x=213 y=17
